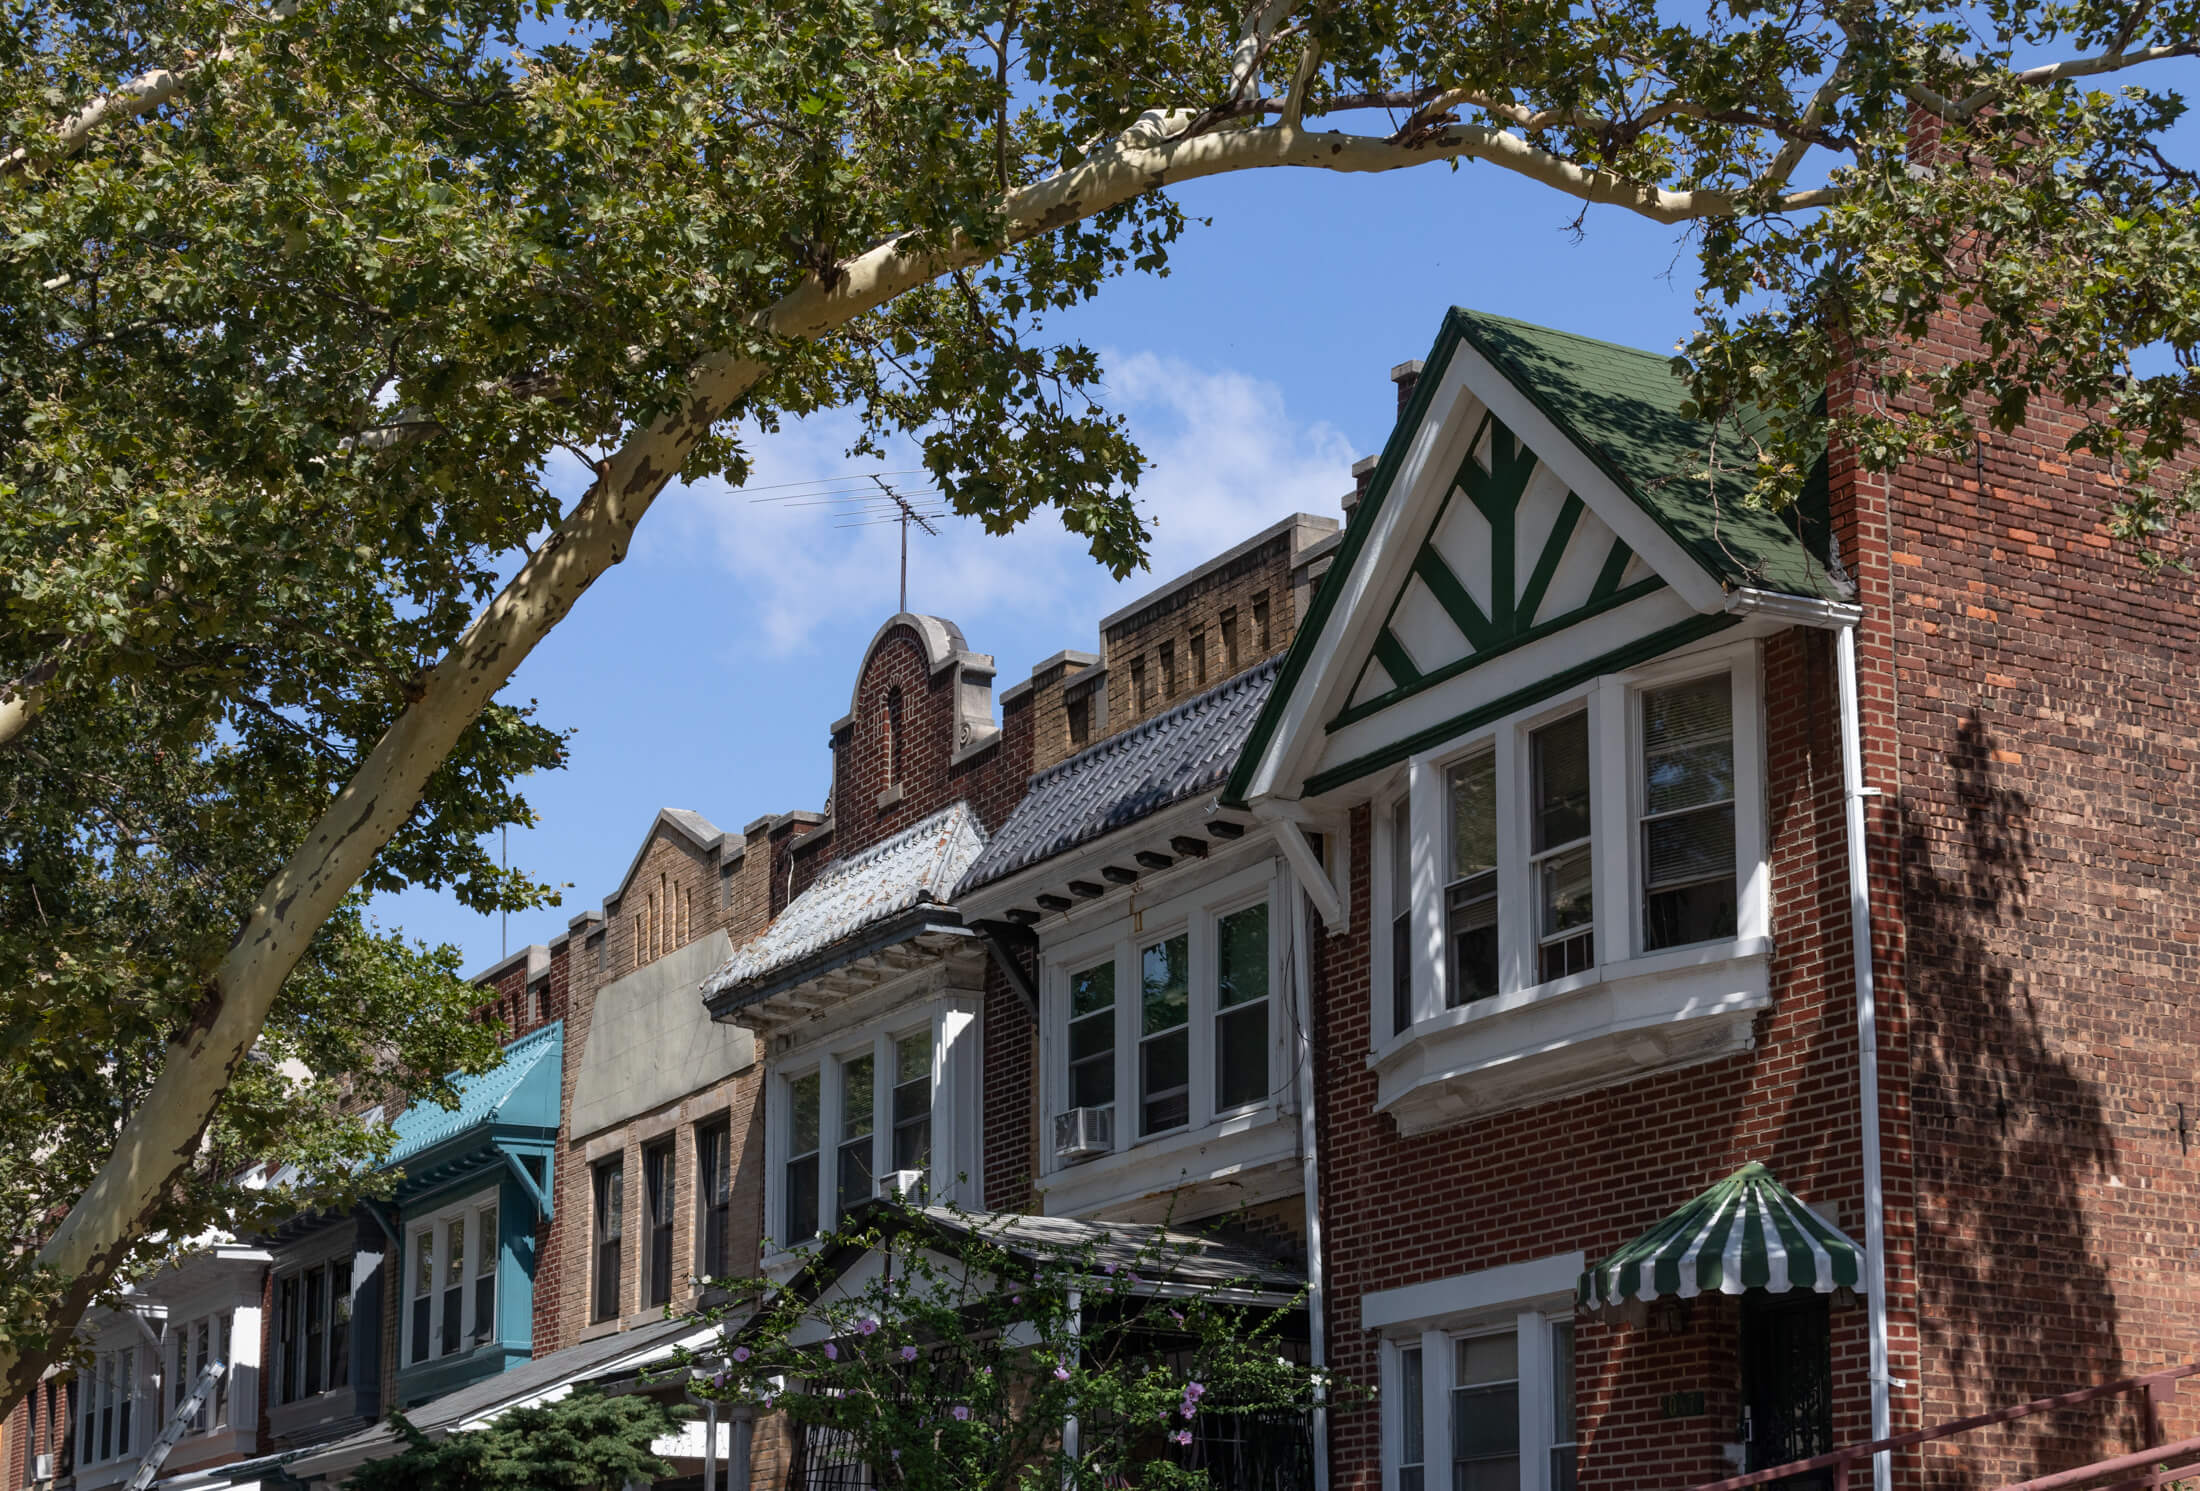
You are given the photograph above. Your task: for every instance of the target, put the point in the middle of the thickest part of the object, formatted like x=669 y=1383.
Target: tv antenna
x=863 y=500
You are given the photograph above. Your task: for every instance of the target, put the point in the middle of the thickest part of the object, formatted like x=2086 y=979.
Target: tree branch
x=2049 y=72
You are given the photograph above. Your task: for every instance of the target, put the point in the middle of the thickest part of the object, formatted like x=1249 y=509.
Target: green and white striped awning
x=1746 y=1232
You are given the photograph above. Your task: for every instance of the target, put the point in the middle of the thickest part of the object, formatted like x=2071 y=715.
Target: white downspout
x=1854 y=792
x=1310 y=1170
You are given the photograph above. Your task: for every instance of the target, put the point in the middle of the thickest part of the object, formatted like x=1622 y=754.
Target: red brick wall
x=2037 y=694
x=1591 y=1172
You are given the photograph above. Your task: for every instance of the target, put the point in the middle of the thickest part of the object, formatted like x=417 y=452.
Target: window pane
x=1474 y=815
x=1241 y=1057
x=221 y=1354
x=801 y=1200
x=1165 y=984
x=126 y=1385
x=1688 y=745
x=1568 y=887
x=454 y=1295
x=1485 y=1414
x=802 y=1095
x=1092 y=989
x=1563 y=1450
x=1401 y=915
x=1164 y=1081
x=857 y=1105
x=1559 y=756
x=1241 y=953
x=855 y=1173
x=1471 y=914
x=1689 y=847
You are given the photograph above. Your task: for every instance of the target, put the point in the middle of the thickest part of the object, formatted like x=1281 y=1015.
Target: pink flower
x=1182 y=1436
x=1061 y=1374
x=1107 y=1268
x=1194 y=1391
x=867 y=1326
x=962 y=1413
x=1188 y=1410
x=832 y=1352
x=740 y=1353
x=908 y=1353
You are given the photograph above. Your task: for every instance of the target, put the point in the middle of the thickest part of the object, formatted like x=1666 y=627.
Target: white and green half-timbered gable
x=1536 y=660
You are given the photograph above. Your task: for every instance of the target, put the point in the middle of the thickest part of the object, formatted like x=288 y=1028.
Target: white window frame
x=950 y=1023
x=436 y=1225
x=1457 y=1308
x=103 y=1386
x=1195 y=913
x=297 y=1268
x=1613 y=704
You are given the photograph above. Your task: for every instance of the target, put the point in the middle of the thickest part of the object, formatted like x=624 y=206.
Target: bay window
x=856 y=1108
x=1612 y=837
x=452 y=1249
x=106 y=1395
x=1196 y=1039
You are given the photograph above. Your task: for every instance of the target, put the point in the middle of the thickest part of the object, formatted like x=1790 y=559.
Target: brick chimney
x=1407 y=375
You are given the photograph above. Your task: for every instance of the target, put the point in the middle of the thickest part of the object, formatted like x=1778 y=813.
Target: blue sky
x=702 y=673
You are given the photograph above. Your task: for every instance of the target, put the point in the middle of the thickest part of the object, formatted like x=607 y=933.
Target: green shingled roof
x=1622 y=406
x=524 y=1088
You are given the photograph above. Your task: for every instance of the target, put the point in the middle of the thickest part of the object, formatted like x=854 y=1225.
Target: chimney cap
x=1365 y=464
x=1405 y=370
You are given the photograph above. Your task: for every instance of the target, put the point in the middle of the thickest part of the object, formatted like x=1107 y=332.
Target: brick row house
x=1450 y=912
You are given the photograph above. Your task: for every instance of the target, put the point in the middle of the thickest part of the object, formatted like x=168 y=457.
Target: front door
x=1787 y=1383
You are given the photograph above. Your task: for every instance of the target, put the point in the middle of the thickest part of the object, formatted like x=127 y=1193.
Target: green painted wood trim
x=1546 y=563
x=1352 y=713
x=1642 y=650
x=1396 y=661
x=1615 y=565
x=1481 y=633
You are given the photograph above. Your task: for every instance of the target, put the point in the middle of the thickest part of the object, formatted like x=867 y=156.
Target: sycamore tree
x=299 y=297
x=963 y=1353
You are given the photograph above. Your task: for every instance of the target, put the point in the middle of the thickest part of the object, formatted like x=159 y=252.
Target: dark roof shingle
x=1173 y=756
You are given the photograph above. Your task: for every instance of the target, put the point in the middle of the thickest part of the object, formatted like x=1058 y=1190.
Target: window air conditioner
x=902 y=1185
x=44 y=1469
x=1083 y=1132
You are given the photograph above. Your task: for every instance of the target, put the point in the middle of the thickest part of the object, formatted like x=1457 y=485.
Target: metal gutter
x=1853 y=793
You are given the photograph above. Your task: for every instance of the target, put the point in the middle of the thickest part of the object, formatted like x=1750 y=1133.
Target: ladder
x=179 y=1424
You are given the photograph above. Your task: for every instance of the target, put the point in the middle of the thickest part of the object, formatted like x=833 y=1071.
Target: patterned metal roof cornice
x=490 y=1097
x=1169 y=758
x=921 y=865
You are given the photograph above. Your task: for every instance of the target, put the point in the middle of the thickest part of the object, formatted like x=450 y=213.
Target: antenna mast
x=860 y=500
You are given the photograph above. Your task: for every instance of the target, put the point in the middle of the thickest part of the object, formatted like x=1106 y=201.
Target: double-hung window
x=913 y=1102
x=861 y=1112
x=1687 y=799
x=1484 y=1407
x=1164 y=1027
x=610 y=1218
x=106 y=1398
x=195 y=1342
x=1470 y=894
x=658 y=1181
x=1175 y=1019
x=312 y=1332
x=858 y=1112
x=454 y=1250
x=800 y=1192
x=713 y=1198
x=1564 y=862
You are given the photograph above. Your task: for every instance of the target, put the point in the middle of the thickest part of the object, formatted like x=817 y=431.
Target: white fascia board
x=1436 y=446
x=1467 y=1294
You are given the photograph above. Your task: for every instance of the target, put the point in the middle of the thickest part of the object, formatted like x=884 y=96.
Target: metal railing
x=2157 y=1387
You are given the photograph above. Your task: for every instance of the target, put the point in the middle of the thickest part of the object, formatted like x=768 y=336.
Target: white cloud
x=1227 y=459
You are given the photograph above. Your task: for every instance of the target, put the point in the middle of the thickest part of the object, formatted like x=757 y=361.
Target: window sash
x=610 y=1185
x=339 y=1334
x=658 y=1184
x=713 y=1159
x=316 y=1310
